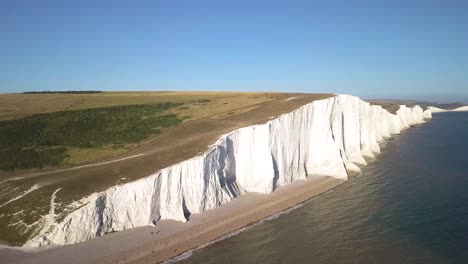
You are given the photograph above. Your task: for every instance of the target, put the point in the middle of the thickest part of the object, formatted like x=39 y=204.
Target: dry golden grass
x=390 y=107
x=20 y=105
x=197 y=105
x=77 y=156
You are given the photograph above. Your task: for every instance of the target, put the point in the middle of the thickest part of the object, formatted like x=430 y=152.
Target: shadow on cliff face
x=227 y=176
x=276 y=176
x=187 y=212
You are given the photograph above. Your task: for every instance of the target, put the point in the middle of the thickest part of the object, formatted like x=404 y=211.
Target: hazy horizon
x=392 y=50
x=389 y=99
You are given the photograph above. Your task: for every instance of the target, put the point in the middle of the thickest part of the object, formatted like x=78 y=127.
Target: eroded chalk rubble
x=325 y=137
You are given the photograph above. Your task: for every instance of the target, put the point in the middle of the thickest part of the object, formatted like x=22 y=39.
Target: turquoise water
x=409 y=206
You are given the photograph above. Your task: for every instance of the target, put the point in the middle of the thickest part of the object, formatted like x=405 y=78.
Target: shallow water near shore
x=408 y=206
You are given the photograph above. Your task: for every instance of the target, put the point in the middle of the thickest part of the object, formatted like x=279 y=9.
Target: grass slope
x=43 y=139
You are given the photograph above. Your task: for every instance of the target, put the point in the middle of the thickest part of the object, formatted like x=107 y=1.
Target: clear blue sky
x=374 y=49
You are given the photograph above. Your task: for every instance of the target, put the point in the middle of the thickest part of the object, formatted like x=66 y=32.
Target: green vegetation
x=14 y=106
x=203 y=101
x=62 y=92
x=43 y=139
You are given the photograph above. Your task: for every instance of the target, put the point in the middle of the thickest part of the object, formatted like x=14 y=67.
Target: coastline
x=169 y=238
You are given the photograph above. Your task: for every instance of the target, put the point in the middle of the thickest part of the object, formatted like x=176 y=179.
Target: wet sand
x=153 y=244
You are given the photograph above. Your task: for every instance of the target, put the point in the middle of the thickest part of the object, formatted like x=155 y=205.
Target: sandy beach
x=153 y=244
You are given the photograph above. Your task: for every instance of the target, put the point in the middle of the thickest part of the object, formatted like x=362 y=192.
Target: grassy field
x=13 y=106
x=57 y=130
x=41 y=140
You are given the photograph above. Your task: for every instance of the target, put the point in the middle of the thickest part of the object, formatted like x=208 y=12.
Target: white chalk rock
x=461 y=109
x=434 y=109
x=427 y=114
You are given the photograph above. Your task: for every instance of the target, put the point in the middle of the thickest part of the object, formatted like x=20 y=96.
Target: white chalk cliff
x=461 y=109
x=434 y=109
x=325 y=137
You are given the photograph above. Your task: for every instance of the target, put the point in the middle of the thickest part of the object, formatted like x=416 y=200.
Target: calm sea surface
x=409 y=206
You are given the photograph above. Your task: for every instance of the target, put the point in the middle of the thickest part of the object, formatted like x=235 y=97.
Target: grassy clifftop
x=41 y=140
x=45 y=130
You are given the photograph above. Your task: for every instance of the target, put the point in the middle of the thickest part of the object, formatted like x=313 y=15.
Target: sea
x=410 y=205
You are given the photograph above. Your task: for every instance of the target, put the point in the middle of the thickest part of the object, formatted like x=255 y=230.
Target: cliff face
x=461 y=109
x=325 y=137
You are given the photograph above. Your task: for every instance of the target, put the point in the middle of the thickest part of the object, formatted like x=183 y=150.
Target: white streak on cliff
x=33 y=188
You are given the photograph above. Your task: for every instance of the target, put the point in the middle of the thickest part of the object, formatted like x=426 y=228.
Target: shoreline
x=169 y=238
